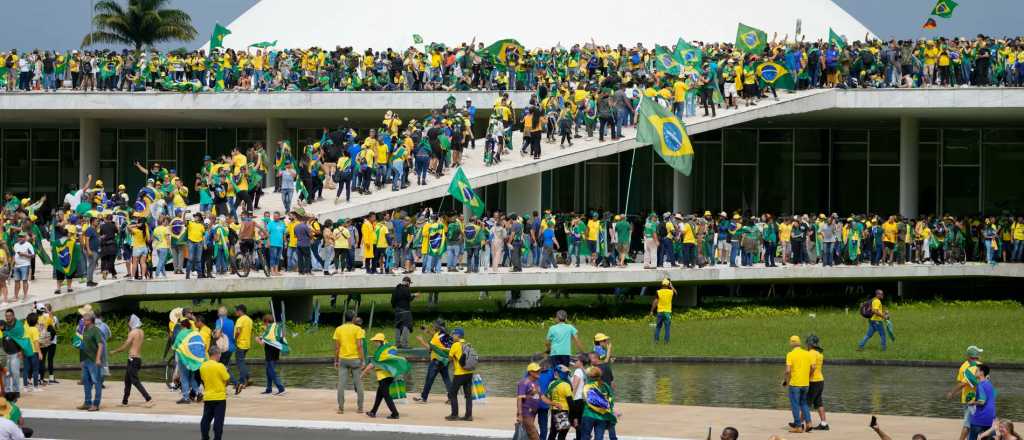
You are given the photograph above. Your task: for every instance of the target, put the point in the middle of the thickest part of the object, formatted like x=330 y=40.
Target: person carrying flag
x=388 y=366
x=274 y=344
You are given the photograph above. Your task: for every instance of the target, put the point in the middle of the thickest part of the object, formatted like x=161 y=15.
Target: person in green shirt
x=455 y=238
x=770 y=236
x=474 y=234
x=651 y=241
x=89 y=354
x=579 y=231
x=623 y=231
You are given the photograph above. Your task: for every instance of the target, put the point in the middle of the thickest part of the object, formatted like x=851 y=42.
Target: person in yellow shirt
x=215 y=383
x=889 y=230
x=593 y=231
x=817 y=384
x=368 y=234
x=679 y=89
x=662 y=305
x=438 y=346
x=462 y=377
x=348 y=345
x=876 y=324
x=204 y=331
x=689 y=239
x=195 y=231
x=797 y=379
x=967 y=383
x=243 y=341
x=384 y=381
x=1017 y=235
x=931 y=56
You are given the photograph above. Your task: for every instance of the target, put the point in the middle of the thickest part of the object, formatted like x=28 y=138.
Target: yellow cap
x=532 y=367
x=821 y=215
x=99 y=184
x=666 y=282
x=601 y=337
x=735 y=216
x=379 y=337
x=707 y=213
x=120 y=186
x=794 y=339
x=25 y=201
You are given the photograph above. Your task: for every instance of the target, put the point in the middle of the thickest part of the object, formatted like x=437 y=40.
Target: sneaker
x=371 y=415
x=93 y=408
x=183 y=401
x=451 y=418
x=393 y=417
x=820 y=427
x=82 y=407
x=280 y=393
x=466 y=419
x=267 y=392
x=148 y=404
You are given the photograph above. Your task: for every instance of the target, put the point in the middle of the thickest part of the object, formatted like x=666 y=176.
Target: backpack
x=469 y=359
x=866 y=310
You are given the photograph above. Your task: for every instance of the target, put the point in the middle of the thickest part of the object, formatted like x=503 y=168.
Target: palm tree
x=142 y=23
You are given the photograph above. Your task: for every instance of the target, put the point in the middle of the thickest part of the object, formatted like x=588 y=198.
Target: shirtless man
x=131 y=374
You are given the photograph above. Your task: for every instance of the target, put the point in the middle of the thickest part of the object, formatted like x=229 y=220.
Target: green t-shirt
x=91 y=341
x=622 y=230
x=650 y=228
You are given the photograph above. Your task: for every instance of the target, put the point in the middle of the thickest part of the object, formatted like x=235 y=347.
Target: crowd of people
x=870 y=62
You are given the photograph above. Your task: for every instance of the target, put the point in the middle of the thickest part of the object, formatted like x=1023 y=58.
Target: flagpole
x=629 y=184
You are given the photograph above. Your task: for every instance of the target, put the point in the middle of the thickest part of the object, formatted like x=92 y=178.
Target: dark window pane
x=16 y=165
x=108 y=173
x=130 y=153
x=192 y=134
x=563 y=188
x=849 y=178
x=306 y=136
x=740 y=146
x=885 y=146
x=775 y=135
x=849 y=135
x=137 y=134
x=43 y=177
x=108 y=144
x=928 y=135
x=221 y=141
x=811 y=189
x=258 y=134
x=959 y=147
x=960 y=190
x=707 y=177
x=664 y=181
x=812 y=146
x=775 y=162
x=640 y=192
x=927 y=179
x=69 y=134
x=15 y=134
x=45 y=144
x=1002 y=173
x=602 y=186
x=1002 y=135
x=161 y=145
x=707 y=136
x=69 y=162
x=738 y=191
x=884 y=190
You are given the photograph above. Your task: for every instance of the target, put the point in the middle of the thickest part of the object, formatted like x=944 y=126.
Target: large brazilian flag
x=688 y=54
x=461 y=190
x=65 y=255
x=436 y=242
x=274 y=337
x=498 y=51
x=666 y=134
x=775 y=74
x=386 y=358
x=750 y=39
x=665 y=61
x=191 y=350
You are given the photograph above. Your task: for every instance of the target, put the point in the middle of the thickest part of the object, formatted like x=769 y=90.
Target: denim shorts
x=21 y=273
x=140 y=251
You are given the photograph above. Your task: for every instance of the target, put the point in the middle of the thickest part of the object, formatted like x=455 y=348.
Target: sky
x=68 y=20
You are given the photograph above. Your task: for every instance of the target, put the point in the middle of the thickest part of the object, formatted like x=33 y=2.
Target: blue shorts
x=21 y=273
x=140 y=251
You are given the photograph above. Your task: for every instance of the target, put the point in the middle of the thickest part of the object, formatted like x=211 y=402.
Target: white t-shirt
x=577 y=394
x=73 y=199
x=9 y=430
x=26 y=247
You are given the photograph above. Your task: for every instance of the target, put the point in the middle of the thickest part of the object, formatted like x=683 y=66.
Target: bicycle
x=245 y=261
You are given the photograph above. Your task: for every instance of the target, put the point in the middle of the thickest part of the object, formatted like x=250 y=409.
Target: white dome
x=380 y=24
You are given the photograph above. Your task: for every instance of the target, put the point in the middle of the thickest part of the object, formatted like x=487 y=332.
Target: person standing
x=463 y=376
x=273 y=342
x=133 y=343
x=559 y=396
x=215 y=381
x=598 y=406
x=662 y=304
x=384 y=377
x=984 y=404
x=558 y=340
x=799 y=368
x=527 y=400
x=817 y=383
x=439 y=346
x=401 y=298
x=89 y=354
x=24 y=254
x=349 y=359
x=876 y=323
x=243 y=341
x=967 y=385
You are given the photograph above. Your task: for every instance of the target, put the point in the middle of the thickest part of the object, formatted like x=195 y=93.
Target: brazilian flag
x=17 y=334
x=264 y=44
x=217 y=38
x=274 y=337
x=944 y=8
x=834 y=38
x=750 y=39
x=498 y=51
x=688 y=54
x=190 y=349
x=436 y=242
x=665 y=61
x=598 y=402
x=65 y=254
x=461 y=190
x=386 y=358
x=3 y=76
x=666 y=134
x=775 y=74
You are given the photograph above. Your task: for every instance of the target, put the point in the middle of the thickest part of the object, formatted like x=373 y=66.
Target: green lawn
x=930 y=330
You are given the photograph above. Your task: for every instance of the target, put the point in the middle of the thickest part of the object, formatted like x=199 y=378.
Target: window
x=811 y=190
x=849 y=178
x=884 y=189
x=960 y=147
x=1002 y=169
x=602 y=185
x=775 y=177
x=161 y=146
x=16 y=162
x=927 y=178
x=740 y=146
x=739 y=185
x=644 y=178
x=885 y=147
x=707 y=176
x=812 y=146
x=960 y=190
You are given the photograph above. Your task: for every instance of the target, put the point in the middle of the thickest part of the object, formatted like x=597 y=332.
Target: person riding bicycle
x=251 y=235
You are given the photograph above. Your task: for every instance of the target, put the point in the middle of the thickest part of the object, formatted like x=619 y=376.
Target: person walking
x=401 y=298
x=558 y=340
x=439 y=345
x=243 y=341
x=274 y=345
x=215 y=381
x=598 y=406
x=224 y=330
x=876 y=323
x=133 y=343
x=349 y=359
x=799 y=368
x=817 y=383
x=984 y=405
x=527 y=401
x=384 y=377
x=464 y=361
x=662 y=304
x=967 y=385
x=89 y=354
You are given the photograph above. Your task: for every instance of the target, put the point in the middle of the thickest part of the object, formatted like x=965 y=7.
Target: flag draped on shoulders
x=386 y=358
x=666 y=134
x=598 y=402
x=461 y=190
x=498 y=51
x=17 y=334
x=274 y=337
x=190 y=349
x=65 y=254
x=750 y=39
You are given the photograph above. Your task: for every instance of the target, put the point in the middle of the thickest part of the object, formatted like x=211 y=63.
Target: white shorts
x=730 y=89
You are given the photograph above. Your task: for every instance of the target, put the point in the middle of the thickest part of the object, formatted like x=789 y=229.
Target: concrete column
x=909 y=152
x=89 y=150
x=522 y=195
x=296 y=308
x=123 y=306
x=682 y=193
x=276 y=130
x=522 y=299
x=688 y=296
